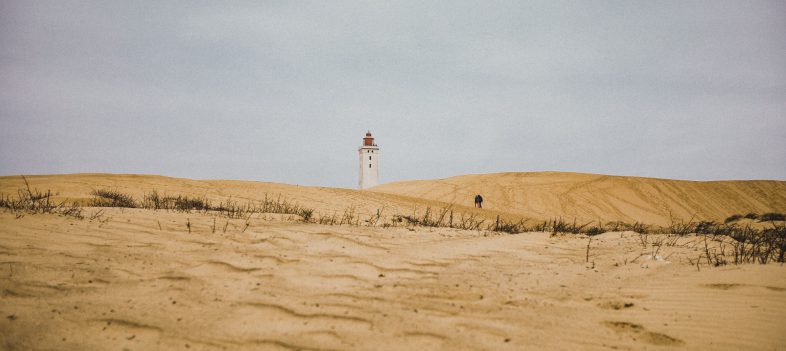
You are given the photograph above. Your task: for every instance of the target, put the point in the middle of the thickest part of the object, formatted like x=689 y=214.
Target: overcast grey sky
x=283 y=91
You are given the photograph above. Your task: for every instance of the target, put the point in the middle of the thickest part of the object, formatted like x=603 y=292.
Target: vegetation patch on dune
x=183 y=203
x=33 y=201
x=732 y=243
x=766 y=217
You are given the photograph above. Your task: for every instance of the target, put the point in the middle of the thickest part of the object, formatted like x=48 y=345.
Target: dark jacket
x=478 y=199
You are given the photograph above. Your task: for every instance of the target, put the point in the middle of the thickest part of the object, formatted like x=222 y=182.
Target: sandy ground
x=139 y=280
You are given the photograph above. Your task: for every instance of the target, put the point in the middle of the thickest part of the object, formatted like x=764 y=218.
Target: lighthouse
x=369 y=163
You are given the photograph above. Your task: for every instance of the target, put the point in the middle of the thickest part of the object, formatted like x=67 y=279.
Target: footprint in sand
x=640 y=333
x=615 y=305
x=722 y=286
x=728 y=286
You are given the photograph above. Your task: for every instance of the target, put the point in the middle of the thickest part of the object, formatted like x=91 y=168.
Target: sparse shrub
x=542 y=227
x=715 y=256
x=501 y=225
x=757 y=246
x=446 y=218
x=154 y=201
x=772 y=216
x=469 y=222
x=620 y=226
x=777 y=239
x=560 y=226
x=188 y=204
x=233 y=209
x=595 y=230
x=751 y=215
x=30 y=201
x=733 y=218
x=640 y=228
x=681 y=228
x=306 y=214
x=349 y=217
x=616 y=226
x=230 y=209
x=327 y=220
x=111 y=198
x=705 y=227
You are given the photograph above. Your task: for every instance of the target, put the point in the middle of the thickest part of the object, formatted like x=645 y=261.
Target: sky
x=284 y=91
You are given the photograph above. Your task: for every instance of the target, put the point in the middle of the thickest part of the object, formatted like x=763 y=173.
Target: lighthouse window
x=369 y=165
x=369 y=158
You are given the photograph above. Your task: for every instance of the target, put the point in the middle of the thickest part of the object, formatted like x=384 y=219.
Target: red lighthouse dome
x=368 y=140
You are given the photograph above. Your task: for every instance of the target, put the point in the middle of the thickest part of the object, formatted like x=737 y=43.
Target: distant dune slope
x=326 y=201
x=600 y=197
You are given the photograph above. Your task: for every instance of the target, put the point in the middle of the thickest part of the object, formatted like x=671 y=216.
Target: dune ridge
x=324 y=200
x=593 y=197
x=535 y=195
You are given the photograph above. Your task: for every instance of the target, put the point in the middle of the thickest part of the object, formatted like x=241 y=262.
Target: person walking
x=478 y=201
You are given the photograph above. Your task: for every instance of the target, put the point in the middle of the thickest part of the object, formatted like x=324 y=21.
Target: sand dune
x=140 y=279
x=539 y=196
x=591 y=197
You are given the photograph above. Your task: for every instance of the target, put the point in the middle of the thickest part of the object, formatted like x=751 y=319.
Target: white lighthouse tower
x=369 y=163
